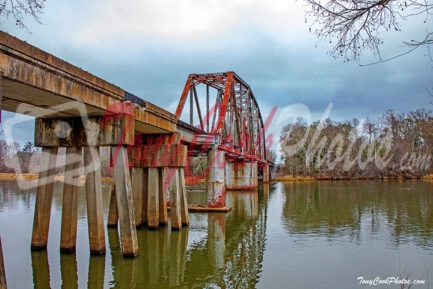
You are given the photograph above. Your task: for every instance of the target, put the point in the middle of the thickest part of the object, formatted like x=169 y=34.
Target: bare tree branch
x=18 y=9
x=356 y=26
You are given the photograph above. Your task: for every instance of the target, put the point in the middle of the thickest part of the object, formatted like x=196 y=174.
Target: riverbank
x=321 y=177
x=18 y=177
x=32 y=177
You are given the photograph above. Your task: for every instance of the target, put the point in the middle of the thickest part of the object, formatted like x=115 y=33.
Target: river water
x=341 y=234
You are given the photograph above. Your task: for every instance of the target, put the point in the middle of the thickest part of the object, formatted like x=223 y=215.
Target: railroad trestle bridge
x=217 y=116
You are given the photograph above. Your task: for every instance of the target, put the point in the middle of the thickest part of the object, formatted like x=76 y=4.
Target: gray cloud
x=282 y=67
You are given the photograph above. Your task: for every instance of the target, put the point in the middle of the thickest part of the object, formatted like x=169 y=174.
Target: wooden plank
x=176 y=220
x=68 y=235
x=125 y=203
x=153 y=198
x=2 y=268
x=44 y=198
x=95 y=214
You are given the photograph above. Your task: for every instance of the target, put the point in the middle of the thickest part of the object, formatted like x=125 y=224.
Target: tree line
x=13 y=156
x=394 y=145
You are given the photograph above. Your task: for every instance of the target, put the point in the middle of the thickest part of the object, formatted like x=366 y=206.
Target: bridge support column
x=241 y=175
x=125 y=205
x=216 y=186
x=266 y=173
x=44 y=198
x=68 y=235
x=165 y=163
x=95 y=214
x=115 y=130
x=153 y=198
x=178 y=202
x=137 y=180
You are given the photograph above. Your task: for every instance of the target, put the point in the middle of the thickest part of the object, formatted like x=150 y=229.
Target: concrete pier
x=44 y=198
x=241 y=175
x=266 y=176
x=216 y=186
x=70 y=201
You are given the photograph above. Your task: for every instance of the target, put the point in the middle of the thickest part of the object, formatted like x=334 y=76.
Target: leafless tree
x=357 y=26
x=18 y=9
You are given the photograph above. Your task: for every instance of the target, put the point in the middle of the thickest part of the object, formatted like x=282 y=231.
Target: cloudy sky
x=149 y=47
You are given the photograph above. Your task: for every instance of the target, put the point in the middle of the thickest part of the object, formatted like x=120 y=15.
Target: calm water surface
x=298 y=235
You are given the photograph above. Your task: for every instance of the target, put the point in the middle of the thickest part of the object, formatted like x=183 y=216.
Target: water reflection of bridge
x=217 y=250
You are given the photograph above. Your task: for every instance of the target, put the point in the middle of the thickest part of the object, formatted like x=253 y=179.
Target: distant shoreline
x=32 y=177
x=321 y=177
x=18 y=177
x=283 y=178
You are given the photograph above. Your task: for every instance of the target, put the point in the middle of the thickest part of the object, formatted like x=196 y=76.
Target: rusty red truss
x=223 y=105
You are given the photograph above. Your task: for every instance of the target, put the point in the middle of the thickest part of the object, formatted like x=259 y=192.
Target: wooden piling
x=153 y=198
x=44 y=197
x=125 y=204
x=175 y=216
x=70 y=200
x=95 y=214
x=2 y=268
